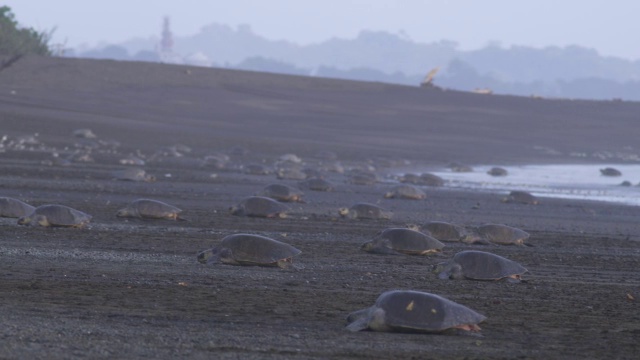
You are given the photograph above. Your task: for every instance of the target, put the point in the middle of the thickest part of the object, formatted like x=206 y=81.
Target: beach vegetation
x=17 y=40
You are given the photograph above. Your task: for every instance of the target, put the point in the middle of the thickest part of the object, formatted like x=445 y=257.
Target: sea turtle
x=457 y=167
x=259 y=206
x=312 y=173
x=365 y=211
x=14 y=208
x=84 y=133
x=414 y=311
x=55 y=215
x=282 y=192
x=133 y=174
x=216 y=161
x=132 y=160
x=150 y=209
x=410 y=178
x=479 y=265
x=406 y=191
x=291 y=173
x=431 y=179
x=333 y=166
x=256 y=169
x=518 y=196
x=502 y=234
x=293 y=158
x=497 y=171
x=316 y=184
x=402 y=241
x=445 y=231
x=610 y=172
x=362 y=178
x=247 y=249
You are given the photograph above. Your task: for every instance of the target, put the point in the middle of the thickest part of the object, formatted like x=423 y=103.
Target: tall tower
x=165 y=48
x=166 y=42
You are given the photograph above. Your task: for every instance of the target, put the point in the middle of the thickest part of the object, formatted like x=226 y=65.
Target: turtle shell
x=480 y=265
x=56 y=215
x=406 y=191
x=610 y=172
x=317 y=184
x=431 y=179
x=445 y=231
x=259 y=206
x=257 y=169
x=291 y=174
x=14 y=208
x=518 y=196
x=405 y=241
x=281 y=192
x=366 y=211
x=414 y=311
x=410 y=178
x=149 y=209
x=247 y=249
x=497 y=171
x=502 y=234
x=362 y=178
x=133 y=174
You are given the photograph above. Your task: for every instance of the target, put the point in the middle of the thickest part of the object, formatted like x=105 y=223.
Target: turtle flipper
x=359 y=324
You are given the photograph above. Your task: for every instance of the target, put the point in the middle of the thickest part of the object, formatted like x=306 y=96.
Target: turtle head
x=214 y=255
x=414 y=227
x=234 y=210
x=343 y=211
x=204 y=256
x=388 y=195
x=447 y=270
x=125 y=212
x=149 y=178
x=471 y=237
x=368 y=246
x=34 y=220
x=442 y=270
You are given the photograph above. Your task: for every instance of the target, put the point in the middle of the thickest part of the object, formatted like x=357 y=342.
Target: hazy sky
x=610 y=26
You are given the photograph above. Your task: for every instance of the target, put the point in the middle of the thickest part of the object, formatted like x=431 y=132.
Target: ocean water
x=559 y=181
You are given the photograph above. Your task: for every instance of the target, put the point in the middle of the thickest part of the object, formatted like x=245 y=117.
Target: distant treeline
x=569 y=72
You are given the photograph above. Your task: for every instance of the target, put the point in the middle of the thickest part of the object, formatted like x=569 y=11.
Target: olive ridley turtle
x=51 y=215
x=402 y=241
x=14 y=208
x=479 y=265
x=259 y=206
x=365 y=211
x=282 y=192
x=247 y=249
x=406 y=191
x=519 y=196
x=414 y=311
x=150 y=209
x=502 y=234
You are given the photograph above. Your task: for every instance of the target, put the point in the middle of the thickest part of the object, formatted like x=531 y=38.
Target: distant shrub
x=16 y=41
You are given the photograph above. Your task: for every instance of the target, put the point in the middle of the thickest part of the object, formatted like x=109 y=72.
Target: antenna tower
x=166 y=43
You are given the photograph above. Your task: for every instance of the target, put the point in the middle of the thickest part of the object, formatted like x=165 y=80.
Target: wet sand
x=133 y=288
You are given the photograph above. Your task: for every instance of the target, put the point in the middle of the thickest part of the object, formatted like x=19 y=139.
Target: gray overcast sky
x=610 y=26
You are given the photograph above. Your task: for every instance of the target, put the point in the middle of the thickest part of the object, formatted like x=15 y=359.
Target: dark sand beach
x=132 y=288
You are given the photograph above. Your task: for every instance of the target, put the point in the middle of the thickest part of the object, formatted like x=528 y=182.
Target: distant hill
x=572 y=71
